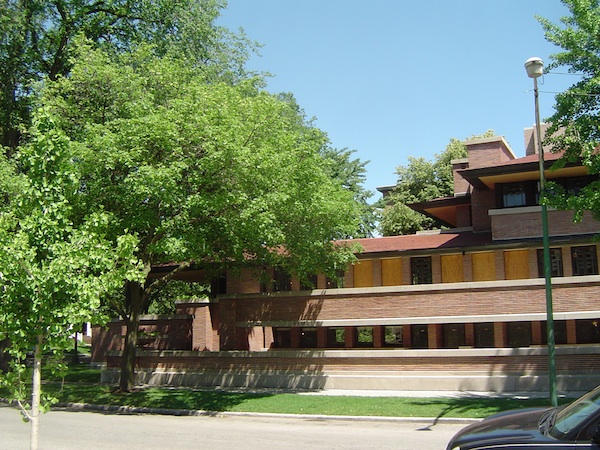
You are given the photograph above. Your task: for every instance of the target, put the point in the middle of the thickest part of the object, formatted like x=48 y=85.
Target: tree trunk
x=75 y=358
x=4 y=357
x=35 y=396
x=135 y=303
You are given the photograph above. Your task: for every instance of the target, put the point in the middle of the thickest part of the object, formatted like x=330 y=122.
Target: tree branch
x=159 y=283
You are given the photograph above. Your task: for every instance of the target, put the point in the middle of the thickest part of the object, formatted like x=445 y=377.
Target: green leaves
x=54 y=265
x=421 y=181
x=38 y=38
x=576 y=109
x=203 y=172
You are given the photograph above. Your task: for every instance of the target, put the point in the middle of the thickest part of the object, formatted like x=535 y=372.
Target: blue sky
x=398 y=78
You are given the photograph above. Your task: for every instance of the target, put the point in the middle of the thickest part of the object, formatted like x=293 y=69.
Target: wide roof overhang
x=443 y=210
x=522 y=169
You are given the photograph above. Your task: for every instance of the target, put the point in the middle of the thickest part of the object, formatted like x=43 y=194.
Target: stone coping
x=158 y=317
x=373 y=353
x=432 y=288
x=420 y=320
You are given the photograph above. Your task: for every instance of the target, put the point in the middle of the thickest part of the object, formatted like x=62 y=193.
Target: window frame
x=421 y=270
x=554 y=262
x=587 y=264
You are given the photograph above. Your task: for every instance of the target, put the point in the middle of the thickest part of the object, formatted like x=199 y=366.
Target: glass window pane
x=419 y=336
x=556 y=264
x=584 y=260
x=454 y=335
x=421 y=270
x=513 y=194
x=336 y=337
x=364 y=336
x=518 y=334
x=484 y=335
x=308 y=337
x=392 y=336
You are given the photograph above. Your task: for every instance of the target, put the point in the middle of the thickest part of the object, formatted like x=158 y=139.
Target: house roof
x=424 y=242
x=520 y=169
x=442 y=209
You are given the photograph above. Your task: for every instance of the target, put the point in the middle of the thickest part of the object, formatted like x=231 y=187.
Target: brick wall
x=488 y=152
x=481 y=203
x=497 y=299
x=157 y=333
x=205 y=324
x=525 y=223
x=461 y=186
x=372 y=361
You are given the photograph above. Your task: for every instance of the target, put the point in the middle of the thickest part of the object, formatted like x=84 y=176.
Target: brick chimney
x=531 y=145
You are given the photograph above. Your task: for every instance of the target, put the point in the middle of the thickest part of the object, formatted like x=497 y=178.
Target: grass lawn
x=82 y=386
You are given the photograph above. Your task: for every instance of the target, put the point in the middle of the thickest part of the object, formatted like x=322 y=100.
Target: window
x=308 y=338
x=584 y=260
x=336 y=337
x=282 y=337
x=337 y=282
x=454 y=335
x=574 y=185
x=364 y=337
x=560 y=332
x=513 y=194
x=588 y=331
x=282 y=281
x=523 y=193
x=309 y=284
x=392 y=336
x=484 y=335
x=518 y=334
x=421 y=270
x=419 y=336
x=218 y=285
x=556 y=265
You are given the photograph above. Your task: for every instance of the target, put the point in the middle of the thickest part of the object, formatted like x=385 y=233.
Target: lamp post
x=535 y=69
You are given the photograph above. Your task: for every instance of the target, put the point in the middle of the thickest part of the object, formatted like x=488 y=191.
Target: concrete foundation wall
x=471 y=370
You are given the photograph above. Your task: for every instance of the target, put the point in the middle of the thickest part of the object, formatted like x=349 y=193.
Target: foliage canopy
x=38 y=37
x=210 y=175
x=576 y=109
x=421 y=180
x=53 y=269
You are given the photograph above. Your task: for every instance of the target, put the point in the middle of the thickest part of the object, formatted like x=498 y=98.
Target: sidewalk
x=400 y=393
x=433 y=394
x=429 y=421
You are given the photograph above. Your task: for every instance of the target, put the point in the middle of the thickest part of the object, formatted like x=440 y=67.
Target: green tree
x=52 y=271
x=420 y=181
x=209 y=175
x=576 y=109
x=340 y=166
x=38 y=36
x=351 y=173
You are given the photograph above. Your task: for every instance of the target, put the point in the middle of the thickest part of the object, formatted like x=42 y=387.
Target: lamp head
x=534 y=67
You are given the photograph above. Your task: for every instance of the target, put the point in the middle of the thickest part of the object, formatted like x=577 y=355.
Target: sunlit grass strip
x=221 y=401
x=81 y=385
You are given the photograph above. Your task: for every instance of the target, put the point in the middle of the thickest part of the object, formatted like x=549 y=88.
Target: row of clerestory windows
x=450 y=335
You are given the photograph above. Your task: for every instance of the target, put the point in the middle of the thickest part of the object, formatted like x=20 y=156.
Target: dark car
x=575 y=426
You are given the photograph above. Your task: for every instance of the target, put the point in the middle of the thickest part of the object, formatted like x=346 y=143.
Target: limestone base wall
x=465 y=370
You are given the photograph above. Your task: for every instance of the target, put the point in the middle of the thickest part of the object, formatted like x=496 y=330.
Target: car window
x=576 y=413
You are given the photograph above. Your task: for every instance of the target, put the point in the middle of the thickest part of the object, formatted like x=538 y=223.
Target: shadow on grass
x=217 y=401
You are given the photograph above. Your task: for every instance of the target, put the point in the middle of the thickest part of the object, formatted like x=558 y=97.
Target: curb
x=201 y=413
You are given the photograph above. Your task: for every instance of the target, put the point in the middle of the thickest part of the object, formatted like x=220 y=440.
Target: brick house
x=459 y=309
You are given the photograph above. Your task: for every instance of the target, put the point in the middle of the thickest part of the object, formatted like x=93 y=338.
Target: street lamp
x=535 y=69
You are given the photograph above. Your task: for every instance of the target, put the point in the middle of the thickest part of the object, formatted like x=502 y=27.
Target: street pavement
x=76 y=425
x=66 y=430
